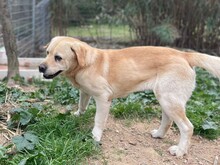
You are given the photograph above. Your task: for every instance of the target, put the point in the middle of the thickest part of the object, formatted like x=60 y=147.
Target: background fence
x=182 y=24
x=31 y=22
x=116 y=23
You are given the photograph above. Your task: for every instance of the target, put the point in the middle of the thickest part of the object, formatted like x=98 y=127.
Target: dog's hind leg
x=176 y=112
x=166 y=123
x=173 y=105
x=173 y=91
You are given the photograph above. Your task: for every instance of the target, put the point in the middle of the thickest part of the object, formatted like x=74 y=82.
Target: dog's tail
x=205 y=61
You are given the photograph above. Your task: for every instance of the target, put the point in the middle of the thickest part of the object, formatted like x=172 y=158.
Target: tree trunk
x=9 y=42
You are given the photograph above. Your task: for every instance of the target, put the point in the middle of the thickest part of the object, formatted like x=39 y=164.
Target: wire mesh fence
x=31 y=23
x=112 y=24
x=1 y=39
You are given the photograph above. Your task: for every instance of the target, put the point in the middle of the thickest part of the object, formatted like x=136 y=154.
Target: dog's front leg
x=102 y=111
x=83 y=103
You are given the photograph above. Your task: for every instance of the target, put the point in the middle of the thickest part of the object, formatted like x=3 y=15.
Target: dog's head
x=63 y=54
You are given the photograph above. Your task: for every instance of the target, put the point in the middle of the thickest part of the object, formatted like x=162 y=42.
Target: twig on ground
x=6 y=97
x=12 y=103
x=8 y=116
x=18 y=130
x=6 y=137
x=6 y=129
x=32 y=100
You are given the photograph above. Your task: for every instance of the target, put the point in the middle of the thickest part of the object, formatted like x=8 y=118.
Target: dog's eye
x=57 y=58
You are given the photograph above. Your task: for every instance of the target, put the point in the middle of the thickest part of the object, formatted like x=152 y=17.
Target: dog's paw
x=97 y=143
x=97 y=134
x=156 y=134
x=78 y=113
x=176 y=151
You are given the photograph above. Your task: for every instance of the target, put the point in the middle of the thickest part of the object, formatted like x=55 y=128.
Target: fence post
x=33 y=24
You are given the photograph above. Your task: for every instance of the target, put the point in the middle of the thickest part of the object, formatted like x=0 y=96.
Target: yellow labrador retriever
x=108 y=74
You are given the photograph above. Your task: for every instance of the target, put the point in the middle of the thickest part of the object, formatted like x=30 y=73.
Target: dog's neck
x=71 y=75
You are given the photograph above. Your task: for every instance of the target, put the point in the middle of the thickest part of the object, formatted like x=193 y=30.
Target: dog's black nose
x=42 y=68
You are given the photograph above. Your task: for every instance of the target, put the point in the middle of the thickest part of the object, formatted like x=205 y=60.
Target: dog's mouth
x=52 y=75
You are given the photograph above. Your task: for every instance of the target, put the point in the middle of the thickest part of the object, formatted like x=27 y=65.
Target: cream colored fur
x=108 y=74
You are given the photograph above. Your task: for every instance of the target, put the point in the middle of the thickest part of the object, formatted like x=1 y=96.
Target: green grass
x=141 y=106
x=66 y=139
x=115 y=32
x=203 y=108
x=63 y=138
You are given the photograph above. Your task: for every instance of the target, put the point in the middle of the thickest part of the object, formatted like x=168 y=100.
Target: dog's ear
x=46 y=46
x=80 y=54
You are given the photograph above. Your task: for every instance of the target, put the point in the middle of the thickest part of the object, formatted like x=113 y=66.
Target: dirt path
x=129 y=143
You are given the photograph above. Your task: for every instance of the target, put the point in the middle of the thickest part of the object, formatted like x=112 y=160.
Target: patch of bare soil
x=130 y=143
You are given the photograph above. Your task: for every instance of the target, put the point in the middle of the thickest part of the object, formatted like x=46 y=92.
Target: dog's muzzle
x=43 y=68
